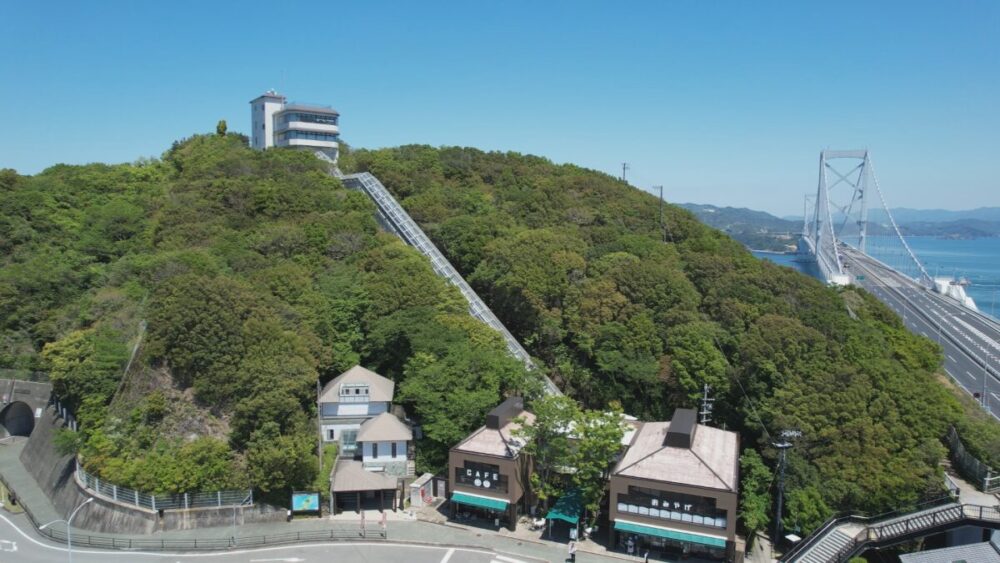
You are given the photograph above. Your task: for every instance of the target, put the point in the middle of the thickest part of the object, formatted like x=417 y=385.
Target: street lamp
x=69 y=527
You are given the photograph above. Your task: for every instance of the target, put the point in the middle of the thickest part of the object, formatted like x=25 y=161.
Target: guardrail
x=181 y=501
x=899 y=529
x=84 y=539
x=833 y=522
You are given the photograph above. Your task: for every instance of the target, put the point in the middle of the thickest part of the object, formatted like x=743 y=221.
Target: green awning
x=669 y=534
x=568 y=508
x=481 y=502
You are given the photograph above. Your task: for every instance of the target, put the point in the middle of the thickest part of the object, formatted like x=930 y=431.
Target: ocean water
x=977 y=260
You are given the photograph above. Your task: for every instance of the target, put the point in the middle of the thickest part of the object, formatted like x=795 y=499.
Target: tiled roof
x=710 y=463
x=496 y=442
x=379 y=388
x=384 y=428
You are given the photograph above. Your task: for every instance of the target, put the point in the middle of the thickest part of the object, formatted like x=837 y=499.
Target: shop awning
x=568 y=508
x=667 y=533
x=481 y=502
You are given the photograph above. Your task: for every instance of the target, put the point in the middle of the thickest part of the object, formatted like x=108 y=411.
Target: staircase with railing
x=401 y=224
x=839 y=539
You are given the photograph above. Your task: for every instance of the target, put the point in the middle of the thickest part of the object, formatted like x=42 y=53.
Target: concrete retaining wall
x=54 y=474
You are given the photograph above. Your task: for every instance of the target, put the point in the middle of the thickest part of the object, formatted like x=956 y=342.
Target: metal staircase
x=842 y=538
x=397 y=220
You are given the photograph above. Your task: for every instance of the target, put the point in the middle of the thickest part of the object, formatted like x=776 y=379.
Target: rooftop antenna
x=783 y=444
x=706 y=406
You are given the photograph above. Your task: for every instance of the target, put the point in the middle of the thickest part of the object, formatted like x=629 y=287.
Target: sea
x=977 y=260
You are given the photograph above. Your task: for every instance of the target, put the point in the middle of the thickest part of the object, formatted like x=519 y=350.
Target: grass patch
x=322 y=482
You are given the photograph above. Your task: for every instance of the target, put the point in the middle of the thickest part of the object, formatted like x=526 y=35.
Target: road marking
x=950 y=357
x=508 y=559
x=209 y=554
x=448 y=555
x=995 y=396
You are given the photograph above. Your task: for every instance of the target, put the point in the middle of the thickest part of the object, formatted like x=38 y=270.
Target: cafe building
x=674 y=491
x=489 y=474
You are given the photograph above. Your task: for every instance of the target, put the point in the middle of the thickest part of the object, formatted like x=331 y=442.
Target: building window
x=672 y=506
x=374 y=449
x=348 y=441
x=331 y=434
x=394 y=449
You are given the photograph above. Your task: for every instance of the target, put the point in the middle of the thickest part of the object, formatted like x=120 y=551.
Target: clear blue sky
x=722 y=102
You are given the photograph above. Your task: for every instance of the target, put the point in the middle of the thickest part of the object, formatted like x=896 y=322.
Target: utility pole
x=624 y=168
x=706 y=406
x=663 y=234
x=783 y=446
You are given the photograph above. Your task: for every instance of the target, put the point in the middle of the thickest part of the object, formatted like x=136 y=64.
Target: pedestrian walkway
x=23 y=484
x=401 y=527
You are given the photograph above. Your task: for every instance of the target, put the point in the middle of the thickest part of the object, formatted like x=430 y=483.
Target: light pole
x=69 y=527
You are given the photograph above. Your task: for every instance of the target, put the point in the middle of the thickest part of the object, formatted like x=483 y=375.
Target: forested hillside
x=576 y=264
x=258 y=276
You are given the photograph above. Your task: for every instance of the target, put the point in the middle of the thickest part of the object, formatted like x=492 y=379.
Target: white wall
x=337 y=429
x=384 y=451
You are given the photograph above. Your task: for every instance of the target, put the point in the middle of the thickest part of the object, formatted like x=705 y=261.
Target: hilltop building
x=276 y=123
x=675 y=489
x=490 y=473
x=350 y=399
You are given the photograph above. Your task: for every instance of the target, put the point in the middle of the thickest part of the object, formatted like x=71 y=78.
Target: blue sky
x=721 y=102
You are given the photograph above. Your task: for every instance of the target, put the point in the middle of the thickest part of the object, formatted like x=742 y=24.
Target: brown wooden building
x=487 y=472
x=675 y=489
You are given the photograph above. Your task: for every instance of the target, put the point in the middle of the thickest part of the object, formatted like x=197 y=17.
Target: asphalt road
x=19 y=543
x=970 y=342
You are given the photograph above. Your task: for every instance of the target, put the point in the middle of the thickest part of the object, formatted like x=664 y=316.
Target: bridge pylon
x=840 y=216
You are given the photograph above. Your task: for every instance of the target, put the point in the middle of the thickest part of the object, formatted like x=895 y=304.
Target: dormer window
x=354 y=392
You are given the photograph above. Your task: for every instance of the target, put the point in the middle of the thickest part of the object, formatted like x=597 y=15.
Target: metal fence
x=181 y=501
x=971 y=468
x=343 y=533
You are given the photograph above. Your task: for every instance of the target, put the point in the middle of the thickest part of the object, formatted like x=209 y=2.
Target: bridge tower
x=840 y=216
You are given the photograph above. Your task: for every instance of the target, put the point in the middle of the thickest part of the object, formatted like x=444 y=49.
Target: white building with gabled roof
x=350 y=399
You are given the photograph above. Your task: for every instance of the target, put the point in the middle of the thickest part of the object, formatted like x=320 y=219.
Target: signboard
x=305 y=502
x=481 y=476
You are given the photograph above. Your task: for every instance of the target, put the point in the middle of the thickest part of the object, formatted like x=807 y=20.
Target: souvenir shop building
x=674 y=491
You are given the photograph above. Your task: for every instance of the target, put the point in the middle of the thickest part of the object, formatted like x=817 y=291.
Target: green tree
x=598 y=441
x=755 y=492
x=220 y=128
x=548 y=442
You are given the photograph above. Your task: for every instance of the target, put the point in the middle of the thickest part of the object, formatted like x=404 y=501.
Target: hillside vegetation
x=259 y=276
x=577 y=266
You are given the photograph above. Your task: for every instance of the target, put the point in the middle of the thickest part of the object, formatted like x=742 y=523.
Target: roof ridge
x=647 y=456
x=712 y=469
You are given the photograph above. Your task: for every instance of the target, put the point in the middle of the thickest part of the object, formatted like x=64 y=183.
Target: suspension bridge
x=851 y=236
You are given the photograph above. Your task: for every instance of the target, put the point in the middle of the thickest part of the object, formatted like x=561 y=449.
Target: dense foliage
x=258 y=277
x=577 y=265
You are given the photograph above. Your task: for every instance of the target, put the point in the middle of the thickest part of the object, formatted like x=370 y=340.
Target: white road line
x=448 y=555
x=223 y=553
x=952 y=358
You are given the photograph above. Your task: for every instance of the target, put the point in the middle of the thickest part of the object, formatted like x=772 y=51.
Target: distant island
x=760 y=230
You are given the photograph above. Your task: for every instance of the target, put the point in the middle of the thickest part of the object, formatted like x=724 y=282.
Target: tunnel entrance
x=18 y=419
